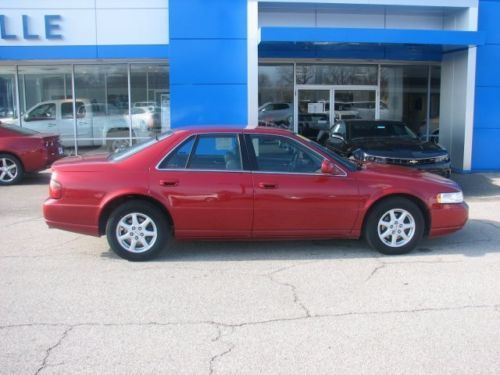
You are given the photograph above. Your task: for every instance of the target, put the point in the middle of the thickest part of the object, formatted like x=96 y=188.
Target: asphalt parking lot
x=69 y=305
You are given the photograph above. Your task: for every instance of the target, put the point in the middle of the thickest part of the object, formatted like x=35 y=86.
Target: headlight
x=456 y=197
x=442 y=158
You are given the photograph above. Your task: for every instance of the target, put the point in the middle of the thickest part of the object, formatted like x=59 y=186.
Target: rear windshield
x=132 y=150
x=18 y=129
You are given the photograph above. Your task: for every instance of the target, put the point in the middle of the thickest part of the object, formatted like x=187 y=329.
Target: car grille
x=404 y=162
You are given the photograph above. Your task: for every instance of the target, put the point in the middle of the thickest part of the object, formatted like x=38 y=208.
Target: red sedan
x=246 y=184
x=23 y=151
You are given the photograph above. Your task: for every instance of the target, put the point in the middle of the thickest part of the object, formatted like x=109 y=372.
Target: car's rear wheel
x=394 y=226
x=11 y=170
x=137 y=231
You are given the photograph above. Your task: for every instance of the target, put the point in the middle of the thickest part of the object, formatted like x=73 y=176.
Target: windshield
x=18 y=129
x=376 y=129
x=124 y=153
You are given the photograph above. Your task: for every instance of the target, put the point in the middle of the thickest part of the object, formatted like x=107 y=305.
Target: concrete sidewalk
x=479 y=185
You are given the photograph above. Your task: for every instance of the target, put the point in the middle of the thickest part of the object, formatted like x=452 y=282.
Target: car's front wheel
x=11 y=170
x=394 y=226
x=137 y=231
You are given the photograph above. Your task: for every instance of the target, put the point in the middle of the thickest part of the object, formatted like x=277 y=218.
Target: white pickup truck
x=97 y=124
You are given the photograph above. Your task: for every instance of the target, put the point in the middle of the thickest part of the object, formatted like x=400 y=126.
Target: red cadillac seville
x=246 y=184
x=24 y=151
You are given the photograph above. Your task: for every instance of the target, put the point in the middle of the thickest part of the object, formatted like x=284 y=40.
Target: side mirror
x=339 y=137
x=327 y=167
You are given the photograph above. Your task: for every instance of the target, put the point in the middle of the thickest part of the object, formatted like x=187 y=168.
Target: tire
x=138 y=243
x=385 y=232
x=11 y=170
x=116 y=144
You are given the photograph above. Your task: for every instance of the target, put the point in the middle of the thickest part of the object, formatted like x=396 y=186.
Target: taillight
x=55 y=189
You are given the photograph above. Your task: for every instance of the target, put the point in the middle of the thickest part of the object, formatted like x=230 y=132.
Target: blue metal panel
x=84 y=52
x=488 y=61
x=487 y=108
x=489 y=12
x=202 y=19
x=209 y=61
x=208 y=105
x=386 y=36
x=485 y=150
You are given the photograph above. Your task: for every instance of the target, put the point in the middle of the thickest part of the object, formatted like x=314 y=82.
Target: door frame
x=332 y=89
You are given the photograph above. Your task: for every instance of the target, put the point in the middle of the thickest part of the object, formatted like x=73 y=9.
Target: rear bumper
x=73 y=218
x=448 y=218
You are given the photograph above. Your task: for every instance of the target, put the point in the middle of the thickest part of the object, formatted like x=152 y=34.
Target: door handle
x=267 y=185
x=169 y=182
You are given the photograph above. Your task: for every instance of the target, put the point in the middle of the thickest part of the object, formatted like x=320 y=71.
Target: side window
x=42 y=112
x=67 y=110
x=339 y=129
x=178 y=159
x=281 y=154
x=216 y=152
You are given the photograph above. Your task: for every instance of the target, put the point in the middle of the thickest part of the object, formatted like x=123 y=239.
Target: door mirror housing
x=327 y=167
x=338 y=137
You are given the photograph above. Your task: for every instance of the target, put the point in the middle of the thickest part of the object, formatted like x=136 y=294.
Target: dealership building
x=67 y=65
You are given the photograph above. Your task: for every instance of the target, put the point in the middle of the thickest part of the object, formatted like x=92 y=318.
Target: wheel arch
x=419 y=202
x=115 y=202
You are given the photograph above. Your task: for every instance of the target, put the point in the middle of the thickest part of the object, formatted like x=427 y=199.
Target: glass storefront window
x=114 y=105
x=276 y=94
x=102 y=106
x=8 y=99
x=150 y=99
x=42 y=90
x=336 y=74
x=403 y=95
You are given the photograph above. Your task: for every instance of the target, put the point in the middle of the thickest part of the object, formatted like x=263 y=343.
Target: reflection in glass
x=150 y=99
x=351 y=104
x=102 y=106
x=43 y=89
x=331 y=74
x=276 y=95
x=8 y=100
x=403 y=96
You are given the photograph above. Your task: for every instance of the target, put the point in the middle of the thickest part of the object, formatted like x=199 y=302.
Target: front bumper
x=448 y=218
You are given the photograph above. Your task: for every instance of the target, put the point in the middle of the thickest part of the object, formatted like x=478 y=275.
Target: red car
x=24 y=151
x=245 y=184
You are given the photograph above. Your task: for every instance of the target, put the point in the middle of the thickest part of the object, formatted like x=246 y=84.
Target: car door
x=292 y=197
x=42 y=118
x=205 y=188
x=67 y=124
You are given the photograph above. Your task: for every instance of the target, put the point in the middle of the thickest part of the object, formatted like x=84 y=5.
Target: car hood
x=397 y=147
x=388 y=172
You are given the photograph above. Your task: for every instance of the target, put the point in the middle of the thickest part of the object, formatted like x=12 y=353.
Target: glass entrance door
x=313 y=111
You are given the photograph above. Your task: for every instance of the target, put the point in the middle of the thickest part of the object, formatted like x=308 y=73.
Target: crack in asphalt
x=375 y=270
x=50 y=349
x=254 y=323
x=222 y=354
x=296 y=300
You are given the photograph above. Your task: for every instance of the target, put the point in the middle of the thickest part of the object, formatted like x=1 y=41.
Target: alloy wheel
x=136 y=232
x=8 y=170
x=396 y=227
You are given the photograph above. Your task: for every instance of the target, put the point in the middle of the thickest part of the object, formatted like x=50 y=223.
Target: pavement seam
x=218 y=356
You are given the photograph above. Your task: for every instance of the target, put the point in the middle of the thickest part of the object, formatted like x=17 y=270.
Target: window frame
x=243 y=154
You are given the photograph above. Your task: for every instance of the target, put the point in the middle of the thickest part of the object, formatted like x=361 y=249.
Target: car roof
x=232 y=129
x=361 y=121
